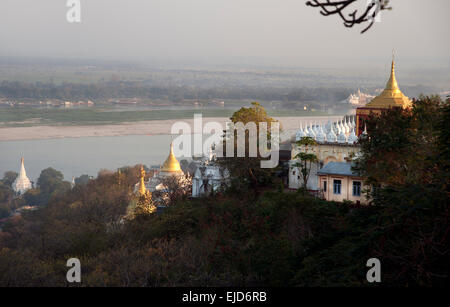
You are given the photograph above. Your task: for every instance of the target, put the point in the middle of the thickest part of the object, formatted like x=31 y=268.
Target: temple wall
x=328 y=152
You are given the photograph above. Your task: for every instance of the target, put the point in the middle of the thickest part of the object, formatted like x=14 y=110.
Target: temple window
x=337 y=186
x=356 y=188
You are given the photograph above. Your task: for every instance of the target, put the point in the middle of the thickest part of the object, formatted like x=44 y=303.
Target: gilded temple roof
x=391 y=95
x=171 y=164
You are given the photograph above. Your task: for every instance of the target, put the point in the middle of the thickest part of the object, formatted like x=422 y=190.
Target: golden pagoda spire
x=119 y=177
x=392 y=82
x=142 y=189
x=171 y=164
x=391 y=96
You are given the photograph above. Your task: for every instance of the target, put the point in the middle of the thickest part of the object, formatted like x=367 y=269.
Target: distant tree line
x=174 y=93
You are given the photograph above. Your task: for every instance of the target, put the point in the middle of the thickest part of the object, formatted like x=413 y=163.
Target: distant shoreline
x=153 y=127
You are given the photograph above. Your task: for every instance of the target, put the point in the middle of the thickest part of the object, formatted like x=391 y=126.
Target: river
x=84 y=155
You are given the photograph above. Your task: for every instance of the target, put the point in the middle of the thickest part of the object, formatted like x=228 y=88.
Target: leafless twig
x=329 y=7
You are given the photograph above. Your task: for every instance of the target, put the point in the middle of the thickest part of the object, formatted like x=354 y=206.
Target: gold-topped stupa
x=171 y=164
x=142 y=188
x=391 y=97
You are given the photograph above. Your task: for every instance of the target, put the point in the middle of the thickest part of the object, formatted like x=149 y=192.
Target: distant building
x=170 y=169
x=337 y=182
x=391 y=97
x=22 y=183
x=209 y=177
x=337 y=144
x=359 y=98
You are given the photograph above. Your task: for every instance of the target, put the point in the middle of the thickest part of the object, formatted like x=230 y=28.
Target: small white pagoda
x=22 y=183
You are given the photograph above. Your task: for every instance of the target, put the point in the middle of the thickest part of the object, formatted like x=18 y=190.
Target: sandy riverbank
x=136 y=128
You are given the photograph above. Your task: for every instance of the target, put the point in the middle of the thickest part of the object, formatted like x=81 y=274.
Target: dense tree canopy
x=9 y=178
x=405 y=159
x=234 y=239
x=49 y=184
x=247 y=171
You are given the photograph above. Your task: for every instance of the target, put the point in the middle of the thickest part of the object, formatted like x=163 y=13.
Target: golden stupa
x=171 y=164
x=391 y=95
x=142 y=189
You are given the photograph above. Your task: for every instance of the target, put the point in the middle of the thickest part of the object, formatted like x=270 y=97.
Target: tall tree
x=9 y=178
x=306 y=158
x=50 y=183
x=247 y=171
x=403 y=145
x=405 y=160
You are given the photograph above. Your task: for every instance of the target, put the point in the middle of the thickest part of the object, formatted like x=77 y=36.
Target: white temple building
x=336 y=142
x=209 y=177
x=205 y=176
x=22 y=183
x=359 y=98
x=170 y=168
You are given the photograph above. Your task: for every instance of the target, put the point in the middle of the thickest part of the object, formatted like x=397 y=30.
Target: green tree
x=247 y=171
x=306 y=158
x=6 y=192
x=83 y=179
x=50 y=179
x=9 y=177
x=256 y=113
x=405 y=160
x=403 y=146
x=50 y=183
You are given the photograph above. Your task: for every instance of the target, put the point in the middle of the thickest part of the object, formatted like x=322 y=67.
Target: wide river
x=85 y=155
x=75 y=156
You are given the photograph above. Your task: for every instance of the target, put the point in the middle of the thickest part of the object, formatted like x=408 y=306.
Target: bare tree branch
x=329 y=7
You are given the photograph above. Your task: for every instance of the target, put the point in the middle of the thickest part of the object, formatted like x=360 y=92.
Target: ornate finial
x=392 y=82
x=393 y=61
x=365 y=129
x=119 y=177
x=142 y=189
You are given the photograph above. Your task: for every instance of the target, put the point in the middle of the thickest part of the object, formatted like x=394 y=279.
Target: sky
x=252 y=32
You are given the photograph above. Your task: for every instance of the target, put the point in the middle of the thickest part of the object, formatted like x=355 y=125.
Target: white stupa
x=328 y=126
x=300 y=133
x=311 y=132
x=346 y=127
x=352 y=138
x=22 y=183
x=337 y=131
x=331 y=136
x=341 y=138
x=320 y=136
x=341 y=127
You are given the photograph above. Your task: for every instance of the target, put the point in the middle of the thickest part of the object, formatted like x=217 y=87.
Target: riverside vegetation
x=251 y=234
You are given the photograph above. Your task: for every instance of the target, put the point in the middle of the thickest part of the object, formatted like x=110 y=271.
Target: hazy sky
x=268 y=32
